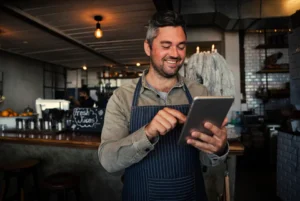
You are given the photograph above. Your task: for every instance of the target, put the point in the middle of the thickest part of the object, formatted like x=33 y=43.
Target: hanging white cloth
x=211 y=70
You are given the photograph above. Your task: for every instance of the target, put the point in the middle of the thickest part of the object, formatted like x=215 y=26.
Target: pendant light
x=98 y=31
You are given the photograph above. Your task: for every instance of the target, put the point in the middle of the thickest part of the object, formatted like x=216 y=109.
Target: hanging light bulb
x=98 y=31
x=84 y=67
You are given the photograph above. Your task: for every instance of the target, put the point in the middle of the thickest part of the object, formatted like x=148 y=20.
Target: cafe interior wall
x=23 y=80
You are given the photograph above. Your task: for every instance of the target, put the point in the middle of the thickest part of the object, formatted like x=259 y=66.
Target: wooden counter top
x=63 y=139
x=78 y=140
x=236 y=148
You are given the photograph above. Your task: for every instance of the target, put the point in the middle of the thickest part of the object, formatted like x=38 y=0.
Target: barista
x=84 y=99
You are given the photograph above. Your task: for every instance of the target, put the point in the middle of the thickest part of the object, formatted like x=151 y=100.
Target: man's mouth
x=171 y=61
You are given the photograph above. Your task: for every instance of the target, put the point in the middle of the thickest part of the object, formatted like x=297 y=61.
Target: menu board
x=87 y=119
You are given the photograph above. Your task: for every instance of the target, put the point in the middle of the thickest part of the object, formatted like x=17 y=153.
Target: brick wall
x=254 y=59
x=288 y=167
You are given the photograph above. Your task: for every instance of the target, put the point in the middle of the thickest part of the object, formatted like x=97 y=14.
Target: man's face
x=168 y=51
x=82 y=94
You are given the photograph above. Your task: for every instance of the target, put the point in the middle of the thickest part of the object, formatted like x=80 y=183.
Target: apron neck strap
x=188 y=94
x=139 y=86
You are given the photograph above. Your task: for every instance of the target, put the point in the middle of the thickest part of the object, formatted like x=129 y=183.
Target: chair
x=20 y=170
x=61 y=184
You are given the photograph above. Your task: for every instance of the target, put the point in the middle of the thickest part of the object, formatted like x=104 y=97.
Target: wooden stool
x=20 y=170
x=61 y=184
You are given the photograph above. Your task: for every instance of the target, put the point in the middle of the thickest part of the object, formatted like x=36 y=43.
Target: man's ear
x=147 y=48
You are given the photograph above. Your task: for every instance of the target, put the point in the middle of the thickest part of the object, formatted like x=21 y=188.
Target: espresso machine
x=51 y=113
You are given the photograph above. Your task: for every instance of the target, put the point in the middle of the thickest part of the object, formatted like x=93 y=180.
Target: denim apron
x=170 y=172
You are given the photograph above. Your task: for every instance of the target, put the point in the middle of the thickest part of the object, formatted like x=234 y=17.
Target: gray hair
x=163 y=19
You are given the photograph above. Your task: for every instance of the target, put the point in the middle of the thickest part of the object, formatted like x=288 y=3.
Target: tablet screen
x=205 y=108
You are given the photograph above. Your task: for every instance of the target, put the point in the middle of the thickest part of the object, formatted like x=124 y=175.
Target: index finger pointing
x=177 y=114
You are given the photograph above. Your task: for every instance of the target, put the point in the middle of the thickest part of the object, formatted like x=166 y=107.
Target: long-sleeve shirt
x=120 y=149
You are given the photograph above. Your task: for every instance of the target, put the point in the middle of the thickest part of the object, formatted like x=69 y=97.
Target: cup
x=3 y=127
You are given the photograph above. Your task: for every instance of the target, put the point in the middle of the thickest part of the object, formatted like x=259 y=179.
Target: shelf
x=294 y=53
x=273 y=94
x=273 y=71
x=106 y=78
x=272 y=46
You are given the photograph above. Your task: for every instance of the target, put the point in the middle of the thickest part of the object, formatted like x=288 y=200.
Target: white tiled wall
x=254 y=61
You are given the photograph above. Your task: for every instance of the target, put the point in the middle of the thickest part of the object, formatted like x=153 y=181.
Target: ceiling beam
x=163 y=5
x=53 y=31
x=235 y=24
x=117 y=41
x=48 y=51
x=252 y=23
x=33 y=58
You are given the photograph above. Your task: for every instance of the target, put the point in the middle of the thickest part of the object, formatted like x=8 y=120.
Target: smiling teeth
x=171 y=62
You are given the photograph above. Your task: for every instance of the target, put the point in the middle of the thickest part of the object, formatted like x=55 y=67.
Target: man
x=143 y=122
x=85 y=100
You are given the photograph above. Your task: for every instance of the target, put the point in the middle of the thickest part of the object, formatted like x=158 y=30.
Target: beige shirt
x=120 y=149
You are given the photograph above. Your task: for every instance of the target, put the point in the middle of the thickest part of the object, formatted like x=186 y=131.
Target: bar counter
x=80 y=140
x=83 y=140
x=77 y=153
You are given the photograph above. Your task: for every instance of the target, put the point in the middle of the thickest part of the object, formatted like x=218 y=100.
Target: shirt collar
x=145 y=84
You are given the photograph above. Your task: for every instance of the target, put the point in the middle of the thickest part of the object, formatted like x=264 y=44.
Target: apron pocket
x=179 y=189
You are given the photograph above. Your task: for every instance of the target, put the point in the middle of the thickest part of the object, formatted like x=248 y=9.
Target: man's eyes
x=181 y=47
x=166 y=46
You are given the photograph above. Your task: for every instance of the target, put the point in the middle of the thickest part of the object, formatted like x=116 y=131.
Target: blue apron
x=170 y=172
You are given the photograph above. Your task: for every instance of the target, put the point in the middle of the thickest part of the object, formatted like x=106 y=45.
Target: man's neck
x=159 y=82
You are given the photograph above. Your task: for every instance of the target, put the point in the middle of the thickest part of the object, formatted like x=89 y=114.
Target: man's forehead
x=171 y=29
x=171 y=33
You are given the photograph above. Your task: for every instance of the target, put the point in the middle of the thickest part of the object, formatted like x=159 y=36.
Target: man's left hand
x=210 y=144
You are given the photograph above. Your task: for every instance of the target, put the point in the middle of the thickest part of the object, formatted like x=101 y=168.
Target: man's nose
x=174 y=52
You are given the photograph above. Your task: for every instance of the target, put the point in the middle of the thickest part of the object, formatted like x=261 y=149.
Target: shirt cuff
x=216 y=159
x=142 y=143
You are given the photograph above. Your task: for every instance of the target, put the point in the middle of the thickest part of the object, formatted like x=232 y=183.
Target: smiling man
x=144 y=119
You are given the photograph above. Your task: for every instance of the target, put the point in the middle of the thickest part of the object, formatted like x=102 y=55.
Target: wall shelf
x=107 y=78
x=273 y=71
x=272 y=46
x=294 y=53
x=273 y=94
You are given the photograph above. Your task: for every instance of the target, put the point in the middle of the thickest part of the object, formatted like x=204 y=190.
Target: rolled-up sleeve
x=213 y=159
x=119 y=149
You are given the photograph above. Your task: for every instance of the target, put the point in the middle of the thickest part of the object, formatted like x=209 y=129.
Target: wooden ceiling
x=62 y=32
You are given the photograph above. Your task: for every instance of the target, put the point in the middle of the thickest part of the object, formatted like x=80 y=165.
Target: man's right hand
x=164 y=121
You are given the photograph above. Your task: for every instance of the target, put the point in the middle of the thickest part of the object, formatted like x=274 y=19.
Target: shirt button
x=147 y=150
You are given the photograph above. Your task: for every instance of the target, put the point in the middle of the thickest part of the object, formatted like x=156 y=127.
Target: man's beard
x=160 y=70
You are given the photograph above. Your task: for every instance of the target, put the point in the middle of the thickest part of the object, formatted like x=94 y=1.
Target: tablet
x=205 y=108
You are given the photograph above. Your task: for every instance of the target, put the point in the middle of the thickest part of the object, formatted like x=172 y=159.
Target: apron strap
x=188 y=94
x=139 y=86
x=136 y=93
